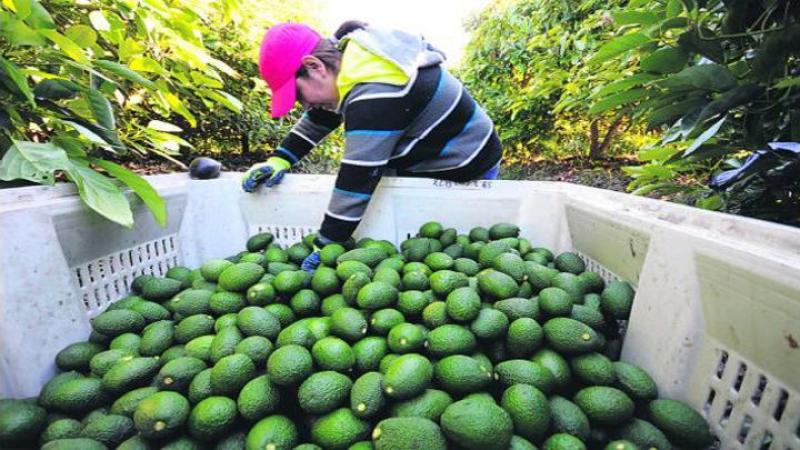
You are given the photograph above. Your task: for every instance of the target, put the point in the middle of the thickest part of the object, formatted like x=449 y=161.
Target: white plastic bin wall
x=716 y=319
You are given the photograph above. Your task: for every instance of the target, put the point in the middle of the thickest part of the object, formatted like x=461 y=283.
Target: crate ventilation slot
x=284 y=235
x=749 y=410
x=108 y=278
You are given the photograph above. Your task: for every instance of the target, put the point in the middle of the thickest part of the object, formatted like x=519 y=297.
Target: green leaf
x=87 y=133
x=670 y=112
x=101 y=109
x=144 y=64
x=39 y=18
x=22 y=8
x=672 y=23
x=712 y=49
x=82 y=35
x=73 y=146
x=618 y=46
x=124 y=72
x=674 y=8
x=710 y=77
x=708 y=134
x=713 y=203
x=665 y=60
x=32 y=161
x=177 y=105
x=99 y=21
x=138 y=185
x=626 y=83
x=15 y=80
x=164 y=126
x=166 y=142
x=18 y=33
x=56 y=89
x=787 y=83
x=100 y=193
x=623 y=98
x=633 y=17
x=66 y=45
x=658 y=153
x=224 y=98
x=731 y=99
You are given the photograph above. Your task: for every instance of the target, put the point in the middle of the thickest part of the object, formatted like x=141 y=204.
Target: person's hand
x=312 y=261
x=269 y=173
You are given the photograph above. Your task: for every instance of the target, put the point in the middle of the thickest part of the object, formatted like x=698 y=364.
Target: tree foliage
x=721 y=81
x=526 y=66
x=84 y=82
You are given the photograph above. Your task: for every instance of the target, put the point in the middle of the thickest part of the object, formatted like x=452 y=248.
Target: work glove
x=269 y=173
x=312 y=261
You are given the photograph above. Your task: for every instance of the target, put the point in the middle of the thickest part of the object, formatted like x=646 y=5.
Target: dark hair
x=328 y=52
x=348 y=27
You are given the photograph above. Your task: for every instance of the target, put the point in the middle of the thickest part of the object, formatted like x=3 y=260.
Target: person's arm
x=371 y=135
x=306 y=134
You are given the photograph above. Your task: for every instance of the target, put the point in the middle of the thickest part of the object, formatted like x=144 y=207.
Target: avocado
x=366 y=395
x=408 y=433
x=476 y=424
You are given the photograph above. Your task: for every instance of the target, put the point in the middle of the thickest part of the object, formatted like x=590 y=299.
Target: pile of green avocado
x=465 y=341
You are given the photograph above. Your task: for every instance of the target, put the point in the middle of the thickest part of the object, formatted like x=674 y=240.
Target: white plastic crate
x=716 y=319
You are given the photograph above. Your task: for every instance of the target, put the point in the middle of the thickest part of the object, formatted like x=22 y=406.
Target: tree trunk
x=597 y=149
x=245 y=143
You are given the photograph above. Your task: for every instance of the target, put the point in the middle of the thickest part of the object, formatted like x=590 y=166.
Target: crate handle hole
x=723 y=360
x=740 y=374
x=782 y=400
x=709 y=400
x=744 y=430
x=759 y=390
x=726 y=414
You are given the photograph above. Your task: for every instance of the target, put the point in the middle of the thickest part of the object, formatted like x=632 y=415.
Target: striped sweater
x=428 y=127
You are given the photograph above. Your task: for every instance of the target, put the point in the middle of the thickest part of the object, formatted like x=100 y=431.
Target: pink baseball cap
x=282 y=51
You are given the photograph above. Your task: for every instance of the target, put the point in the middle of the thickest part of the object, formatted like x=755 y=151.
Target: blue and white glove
x=269 y=173
x=312 y=261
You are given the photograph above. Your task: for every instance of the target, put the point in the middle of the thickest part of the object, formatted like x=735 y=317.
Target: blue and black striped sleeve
x=307 y=133
x=371 y=135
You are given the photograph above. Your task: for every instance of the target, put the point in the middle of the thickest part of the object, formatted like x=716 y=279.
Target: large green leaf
x=674 y=7
x=100 y=193
x=19 y=33
x=624 y=84
x=56 y=89
x=705 y=136
x=731 y=99
x=620 y=99
x=709 y=77
x=38 y=17
x=668 y=113
x=179 y=107
x=712 y=49
x=108 y=139
x=138 y=185
x=787 y=83
x=665 y=60
x=634 y=17
x=125 y=72
x=66 y=45
x=82 y=35
x=101 y=109
x=32 y=161
x=618 y=46
x=15 y=80
x=225 y=99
